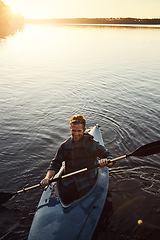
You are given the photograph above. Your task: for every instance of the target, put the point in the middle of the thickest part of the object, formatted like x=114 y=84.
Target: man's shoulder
x=88 y=136
x=66 y=143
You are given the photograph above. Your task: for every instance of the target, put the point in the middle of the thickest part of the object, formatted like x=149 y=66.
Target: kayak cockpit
x=69 y=194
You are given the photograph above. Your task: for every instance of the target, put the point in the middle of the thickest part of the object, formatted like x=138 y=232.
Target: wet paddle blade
x=5 y=196
x=146 y=150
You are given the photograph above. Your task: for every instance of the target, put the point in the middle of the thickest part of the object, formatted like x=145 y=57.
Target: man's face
x=77 y=131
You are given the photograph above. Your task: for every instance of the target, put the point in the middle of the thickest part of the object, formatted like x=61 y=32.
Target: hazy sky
x=86 y=8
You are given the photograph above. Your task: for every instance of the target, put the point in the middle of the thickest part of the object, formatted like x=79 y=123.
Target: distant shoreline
x=139 y=21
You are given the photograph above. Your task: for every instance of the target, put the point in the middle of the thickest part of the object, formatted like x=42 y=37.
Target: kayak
x=55 y=220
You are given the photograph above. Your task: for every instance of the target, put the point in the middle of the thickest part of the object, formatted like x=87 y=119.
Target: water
x=108 y=74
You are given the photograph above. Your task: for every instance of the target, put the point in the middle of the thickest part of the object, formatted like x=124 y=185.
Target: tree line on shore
x=98 y=21
x=9 y=22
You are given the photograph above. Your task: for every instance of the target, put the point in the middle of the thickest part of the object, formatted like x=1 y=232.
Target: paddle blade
x=5 y=196
x=146 y=150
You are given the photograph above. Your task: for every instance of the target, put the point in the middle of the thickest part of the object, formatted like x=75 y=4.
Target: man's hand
x=45 y=182
x=104 y=162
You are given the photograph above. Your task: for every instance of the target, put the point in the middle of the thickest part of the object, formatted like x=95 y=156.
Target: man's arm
x=105 y=156
x=54 y=167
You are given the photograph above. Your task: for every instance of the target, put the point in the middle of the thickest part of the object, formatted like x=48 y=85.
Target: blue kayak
x=77 y=220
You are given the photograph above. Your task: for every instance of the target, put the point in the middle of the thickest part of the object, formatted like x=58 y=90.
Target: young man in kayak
x=79 y=151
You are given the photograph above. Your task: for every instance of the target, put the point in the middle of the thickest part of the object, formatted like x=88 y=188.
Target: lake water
x=109 y=74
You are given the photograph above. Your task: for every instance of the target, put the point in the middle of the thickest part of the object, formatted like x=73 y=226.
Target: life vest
x=79 y=154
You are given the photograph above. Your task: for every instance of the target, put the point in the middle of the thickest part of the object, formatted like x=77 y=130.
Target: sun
x=16 y=6
x=30 y=9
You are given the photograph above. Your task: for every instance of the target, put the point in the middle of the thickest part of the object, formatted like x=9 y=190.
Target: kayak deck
x=78 y=220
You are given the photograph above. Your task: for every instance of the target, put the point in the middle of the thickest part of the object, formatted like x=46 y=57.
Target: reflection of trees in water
x=9 y=22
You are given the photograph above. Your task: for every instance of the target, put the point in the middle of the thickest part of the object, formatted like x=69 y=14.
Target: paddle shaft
x=29 y=188
x=56 y=179
x=145 y=150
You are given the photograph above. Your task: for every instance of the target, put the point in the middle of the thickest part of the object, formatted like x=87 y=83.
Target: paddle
x=145 y=150
x=5 y=196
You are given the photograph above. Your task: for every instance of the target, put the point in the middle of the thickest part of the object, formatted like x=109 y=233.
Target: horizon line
x=157 y=18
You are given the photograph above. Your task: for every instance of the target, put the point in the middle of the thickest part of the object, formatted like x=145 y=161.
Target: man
x=79 y=151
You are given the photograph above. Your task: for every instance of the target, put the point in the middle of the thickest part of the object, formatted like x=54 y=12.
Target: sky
x=85 y=8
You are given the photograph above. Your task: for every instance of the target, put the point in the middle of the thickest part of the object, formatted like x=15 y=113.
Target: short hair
x=78 y=119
